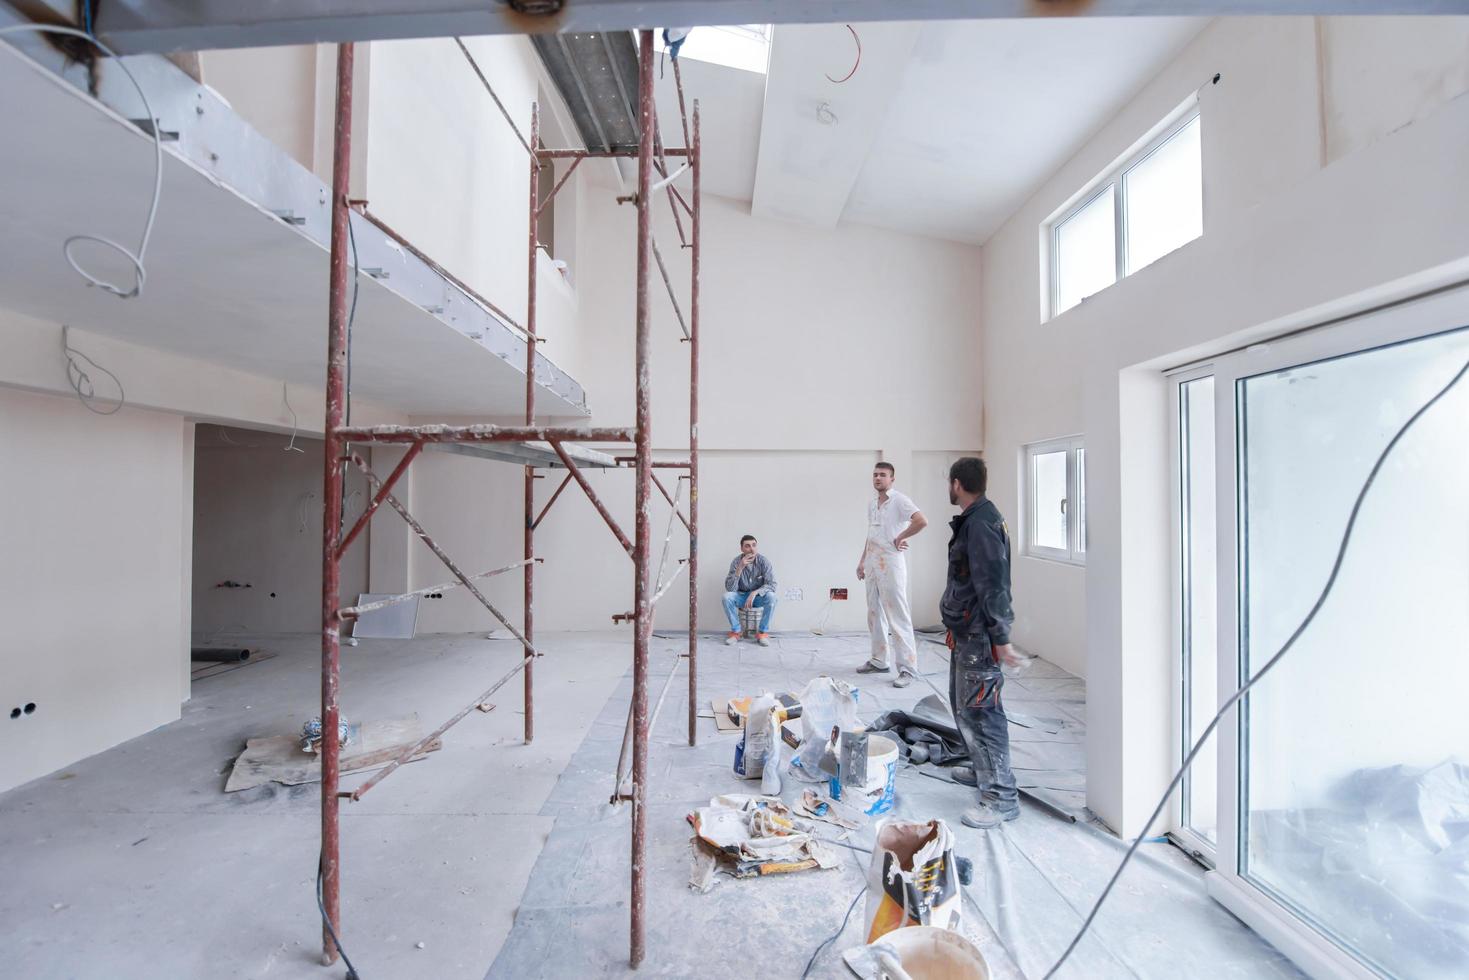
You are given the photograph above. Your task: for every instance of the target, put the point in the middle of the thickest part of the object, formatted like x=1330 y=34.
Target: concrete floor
x=1033 y=881
x=135 y=863
x=507 y=857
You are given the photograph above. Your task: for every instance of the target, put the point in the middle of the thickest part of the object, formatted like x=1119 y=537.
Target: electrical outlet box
x=839 y=594
x=795 y=595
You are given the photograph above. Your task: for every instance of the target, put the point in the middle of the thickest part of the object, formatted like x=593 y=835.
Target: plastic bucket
x=882 y=773
x=930 y=953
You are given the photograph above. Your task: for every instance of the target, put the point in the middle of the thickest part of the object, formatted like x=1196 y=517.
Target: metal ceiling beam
x=195 y=25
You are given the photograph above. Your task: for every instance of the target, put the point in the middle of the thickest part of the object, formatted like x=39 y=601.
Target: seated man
x=750 y=583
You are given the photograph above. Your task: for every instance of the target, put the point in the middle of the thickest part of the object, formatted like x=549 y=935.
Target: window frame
x=1181 y=830
x=1384 y=322
x=1075 y=551
x=1114 y=177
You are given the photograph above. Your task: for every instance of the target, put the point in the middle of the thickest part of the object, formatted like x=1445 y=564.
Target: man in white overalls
x=892 y=519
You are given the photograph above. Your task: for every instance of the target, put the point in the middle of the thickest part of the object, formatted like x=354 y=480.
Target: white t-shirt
x=885 y=521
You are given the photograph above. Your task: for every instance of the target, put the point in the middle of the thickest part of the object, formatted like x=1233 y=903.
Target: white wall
x=1283 y=233
x=257 y=521
x=95 y=622
x=97 y=575
x=813 y=342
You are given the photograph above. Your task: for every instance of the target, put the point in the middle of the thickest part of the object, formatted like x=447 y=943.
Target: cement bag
x=755 y=744
x=826 y=703
x=912 y=880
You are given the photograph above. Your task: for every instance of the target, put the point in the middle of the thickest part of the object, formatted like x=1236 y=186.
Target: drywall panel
x=1281 y=236
x=93 y=546
x=257 y=532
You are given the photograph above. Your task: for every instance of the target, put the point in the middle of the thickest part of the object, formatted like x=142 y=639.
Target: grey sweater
x=758 y=577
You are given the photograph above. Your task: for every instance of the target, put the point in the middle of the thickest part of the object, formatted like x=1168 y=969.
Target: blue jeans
x=974 y=689
x=734 y=600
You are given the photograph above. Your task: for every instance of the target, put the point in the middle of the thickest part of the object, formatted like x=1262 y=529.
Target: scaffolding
x=517 y=442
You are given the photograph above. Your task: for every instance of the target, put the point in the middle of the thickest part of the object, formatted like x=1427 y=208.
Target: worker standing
x=976 y=609
x=892 y=518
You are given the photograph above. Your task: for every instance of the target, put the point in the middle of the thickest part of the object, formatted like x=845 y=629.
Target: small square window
x=1054 y=487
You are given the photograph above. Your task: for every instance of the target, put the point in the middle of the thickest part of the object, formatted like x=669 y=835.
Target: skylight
x=742 y=46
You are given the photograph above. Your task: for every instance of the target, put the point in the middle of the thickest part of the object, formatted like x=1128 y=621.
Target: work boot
x=963 y=775
x=903 y=679
x=732 y=639
x=986 y=817
x=871 y=668
x=763 y=639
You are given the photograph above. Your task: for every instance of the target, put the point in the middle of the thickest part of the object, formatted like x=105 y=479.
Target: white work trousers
x=886 y=576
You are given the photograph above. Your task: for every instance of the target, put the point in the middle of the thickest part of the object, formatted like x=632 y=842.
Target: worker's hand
x=750 y=600
x=1005 y=655
x=860 y=573
x=746 y=561
x=901 y=544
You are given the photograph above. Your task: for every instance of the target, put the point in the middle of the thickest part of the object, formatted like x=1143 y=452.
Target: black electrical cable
x=327 y=921
x=1234 y=699
x=833 y=937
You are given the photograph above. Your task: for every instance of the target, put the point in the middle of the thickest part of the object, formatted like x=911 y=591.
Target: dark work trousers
x=974 y=690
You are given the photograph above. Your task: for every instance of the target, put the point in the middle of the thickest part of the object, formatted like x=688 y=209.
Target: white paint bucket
x=882 y=772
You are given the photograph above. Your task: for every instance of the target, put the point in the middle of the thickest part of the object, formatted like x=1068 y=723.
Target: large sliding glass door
x=1339 y=810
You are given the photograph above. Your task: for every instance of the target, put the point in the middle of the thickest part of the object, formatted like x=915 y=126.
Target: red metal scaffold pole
x=532 y=339
x=698 y=164
x=332 y=477
x=643 y=621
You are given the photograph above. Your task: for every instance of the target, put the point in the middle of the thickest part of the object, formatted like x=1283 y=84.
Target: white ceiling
x=945 y=129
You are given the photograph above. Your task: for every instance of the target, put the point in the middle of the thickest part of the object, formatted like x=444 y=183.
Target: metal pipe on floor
x=332 y=481
x=694 y=255
x=643 y=623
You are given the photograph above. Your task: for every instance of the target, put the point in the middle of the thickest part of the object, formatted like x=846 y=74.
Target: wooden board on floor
x=280 y=759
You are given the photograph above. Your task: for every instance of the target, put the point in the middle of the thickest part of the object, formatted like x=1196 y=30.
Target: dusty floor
x=507 y=858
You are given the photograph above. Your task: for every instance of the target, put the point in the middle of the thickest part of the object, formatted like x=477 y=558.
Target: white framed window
x=1053 y=488
x=1139 y=210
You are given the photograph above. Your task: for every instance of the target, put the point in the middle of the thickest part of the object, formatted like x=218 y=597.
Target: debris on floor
x=753 y=836
x=912 y=879
x=279 y=759
x=311 y=733
x=814 y=806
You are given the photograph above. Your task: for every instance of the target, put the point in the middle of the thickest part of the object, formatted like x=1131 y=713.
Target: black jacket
x=977 y=596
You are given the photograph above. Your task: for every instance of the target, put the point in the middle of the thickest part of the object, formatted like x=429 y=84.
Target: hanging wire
x=855 y=65
x=135 y=258
x=81 y=381
x=291 y=446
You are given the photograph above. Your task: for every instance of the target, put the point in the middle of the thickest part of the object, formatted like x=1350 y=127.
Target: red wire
x=858 y=62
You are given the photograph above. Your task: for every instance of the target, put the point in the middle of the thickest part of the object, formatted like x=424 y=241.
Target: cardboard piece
x=279 y=758
x=722 y=721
